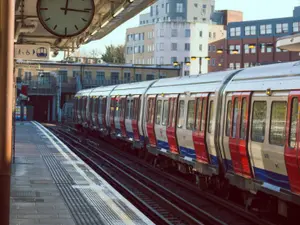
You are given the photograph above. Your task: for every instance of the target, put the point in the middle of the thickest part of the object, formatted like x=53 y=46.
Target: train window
x=259 y=121
x=122 y=107
x=174 y=113
x=278 y=121
x=293 y=123
x=100 y=111
x=117 y=108
x=150 y=110
x=243 y=124
x=165 y=113
x=198 y=113
x=204 y=102
x=158 y=112
x=190 y=122
x=235 y=117
x=170 y=112
x=211 y=115
x=135 y=108
x=180 y=118
x=228 y=117
x=131 y=109
x=128 y=109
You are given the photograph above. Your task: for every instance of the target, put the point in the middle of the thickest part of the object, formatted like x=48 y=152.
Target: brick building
x=251 y=43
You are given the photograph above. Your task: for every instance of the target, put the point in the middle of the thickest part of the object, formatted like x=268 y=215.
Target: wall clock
x=65 y=18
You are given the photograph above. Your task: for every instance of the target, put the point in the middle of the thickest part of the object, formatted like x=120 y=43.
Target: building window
x=138 y=77
x=296 y=27
x=161 y=46
x=151 y=11
x=201 y=33
x=156 y=9
x=173 y=46
x=126 y=76
x=214 y=35
x=161 y=32
x=246 y=65
x=186 y=59
x=187 y=32
x=100 y=77
x=114 y=77
x=234 y=47
x=173 y=59
x=167 y=7
x=235 y=31
x=231 y=65
x=179 y=7
x=209 y=34
x=187 y=46
x=237 y=65
x=195 y=18
x=200 y=47
x=265 y=48
x=250 y=30
x=28 y=75
x=213 y=62
x=249 y=50
x=161 y=60
x=88 y=75
x=282 y=28
x=266 y=29
x=150 y=77
x=174 y=33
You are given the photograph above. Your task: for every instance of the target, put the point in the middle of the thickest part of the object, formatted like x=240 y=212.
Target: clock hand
x=75 y=10
x=67 y=4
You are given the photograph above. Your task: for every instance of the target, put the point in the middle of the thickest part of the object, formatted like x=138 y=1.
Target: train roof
x=103 y=91
x=137 y=88
x=278 y=76
x=84 y=92
x=209 y=82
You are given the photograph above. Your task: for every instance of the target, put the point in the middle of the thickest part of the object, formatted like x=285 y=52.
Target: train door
x=112 y=114
x=161 y=122
x=171 y=128
x=150 y=120
x=95 y=112
x=210 y=130
x=135 y=118
x=292 y=145
x=199 y=134
x=185 y=126
x=122 y=109
x=102 y=112
x=117 y=115
x=129 y=117
x=89 y=109
x=238 y=140
x=83 y=109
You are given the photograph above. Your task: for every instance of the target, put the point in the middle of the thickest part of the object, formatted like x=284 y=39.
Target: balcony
x=49 y=86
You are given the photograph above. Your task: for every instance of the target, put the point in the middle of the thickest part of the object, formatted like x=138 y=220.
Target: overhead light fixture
x=94 y=32
x=193 y=58
x=187 y=63
x=235 y=51
x=252 y=46
x=105 y=23
x=175 y=63
x=86 y=39
x=118 y=12
x=207 y=57
x=130 y=1
x=220 y=51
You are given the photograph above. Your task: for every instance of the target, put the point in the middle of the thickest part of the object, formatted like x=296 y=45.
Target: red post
x=7 y=18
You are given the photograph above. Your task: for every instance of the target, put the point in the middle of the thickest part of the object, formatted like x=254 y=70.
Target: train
x=236 y=131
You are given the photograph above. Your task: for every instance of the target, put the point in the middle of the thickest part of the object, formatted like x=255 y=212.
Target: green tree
x=114 y=54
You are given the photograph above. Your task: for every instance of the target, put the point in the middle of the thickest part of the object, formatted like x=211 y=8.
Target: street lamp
x=233 y=51
x=175 y=63
x=200 y=61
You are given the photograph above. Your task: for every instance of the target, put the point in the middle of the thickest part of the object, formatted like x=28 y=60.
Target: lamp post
x=175 y=63
x=200 y=61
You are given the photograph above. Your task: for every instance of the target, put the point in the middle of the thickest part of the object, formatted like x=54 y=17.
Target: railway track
x=164 y=198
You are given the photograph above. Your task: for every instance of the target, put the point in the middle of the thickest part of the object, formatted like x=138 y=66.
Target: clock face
x=65 y=18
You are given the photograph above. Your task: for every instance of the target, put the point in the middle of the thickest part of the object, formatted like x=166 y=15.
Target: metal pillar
x=7 y=24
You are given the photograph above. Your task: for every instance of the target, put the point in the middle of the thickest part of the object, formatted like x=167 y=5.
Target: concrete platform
x=51 y=185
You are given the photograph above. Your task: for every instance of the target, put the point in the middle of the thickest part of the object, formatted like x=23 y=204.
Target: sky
x=252 y=10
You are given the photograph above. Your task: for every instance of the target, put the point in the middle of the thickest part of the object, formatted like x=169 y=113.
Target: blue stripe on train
x=272 y=178
x=276 y=179
x=186 y=152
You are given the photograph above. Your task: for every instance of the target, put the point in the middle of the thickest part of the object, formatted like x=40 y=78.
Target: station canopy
x=29 y=30
x=290 y=43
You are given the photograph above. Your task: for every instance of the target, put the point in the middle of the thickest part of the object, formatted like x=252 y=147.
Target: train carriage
x=241 y=127
x=181 y=116
x=127 y=99
x=260 y=130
